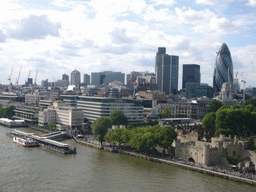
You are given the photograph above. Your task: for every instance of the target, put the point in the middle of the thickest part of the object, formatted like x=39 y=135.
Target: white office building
x=95 y=107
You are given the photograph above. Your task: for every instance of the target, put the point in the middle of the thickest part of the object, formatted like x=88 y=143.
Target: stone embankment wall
x=169 y=161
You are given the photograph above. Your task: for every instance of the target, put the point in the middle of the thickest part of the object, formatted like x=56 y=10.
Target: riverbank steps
x=154 y=159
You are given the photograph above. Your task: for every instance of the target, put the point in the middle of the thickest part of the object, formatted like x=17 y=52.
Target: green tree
x=9 y=112
x=166 y=112
x=167 y=136
x=250 y=101
x=52 y=126
x=214 y=105
x=208 y=122
x=220 y=121
x=118 y=118
x=232 y=160
x=100 y=127
x=1 y=112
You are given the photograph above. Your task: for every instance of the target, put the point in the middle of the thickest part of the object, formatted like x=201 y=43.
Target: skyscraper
x=223 y=70
x=75 y=78
x=65 y=77
x=106 y=77
x=166 y=68
x=191 y=73
x=86 y=79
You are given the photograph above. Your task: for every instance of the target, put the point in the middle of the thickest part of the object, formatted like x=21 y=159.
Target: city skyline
x=59 y=36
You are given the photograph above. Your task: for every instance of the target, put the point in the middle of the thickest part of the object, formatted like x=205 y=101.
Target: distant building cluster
x=141 y=95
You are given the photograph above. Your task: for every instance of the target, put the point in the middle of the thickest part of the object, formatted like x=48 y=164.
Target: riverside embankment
x=213 y=171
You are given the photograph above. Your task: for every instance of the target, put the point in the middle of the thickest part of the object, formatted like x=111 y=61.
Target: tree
x=250 y=102
x=100 y=128
x=208 y=122
x=118 y=118
x=9 y=112
x=232 y=160
x=52 y=126
x=166 y=113
x=214 y=105
x=167 y=136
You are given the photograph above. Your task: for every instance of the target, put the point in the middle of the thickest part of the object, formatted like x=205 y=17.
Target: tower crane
x=10 y=77
x=17 y=80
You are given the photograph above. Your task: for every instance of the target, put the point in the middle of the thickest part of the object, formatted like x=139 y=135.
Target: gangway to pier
x=49 y=134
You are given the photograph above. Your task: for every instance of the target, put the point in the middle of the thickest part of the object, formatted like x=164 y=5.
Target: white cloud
x=117 y=8
x=118 y=36
x=34 y=27
x=163 y=2
x=252 y=3
x=212 y=2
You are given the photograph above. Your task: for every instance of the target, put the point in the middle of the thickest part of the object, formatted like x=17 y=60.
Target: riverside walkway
x=213 y=171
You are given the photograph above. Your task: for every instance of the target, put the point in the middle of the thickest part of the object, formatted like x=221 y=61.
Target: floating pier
x=47 y=143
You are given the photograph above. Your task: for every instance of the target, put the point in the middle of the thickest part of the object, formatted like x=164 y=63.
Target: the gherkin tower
x=223 y=70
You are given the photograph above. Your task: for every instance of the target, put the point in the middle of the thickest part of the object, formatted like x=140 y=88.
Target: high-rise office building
x=65 y=77
x=166 y=68
x=191 y=73
x=86 y=79
x=106 y=77
x=30 y=81
x=75 y=78
x=223 y=70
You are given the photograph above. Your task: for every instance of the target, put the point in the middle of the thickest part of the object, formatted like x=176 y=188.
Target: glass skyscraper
x=166 y=68
x=223 y=70
x=191 y=73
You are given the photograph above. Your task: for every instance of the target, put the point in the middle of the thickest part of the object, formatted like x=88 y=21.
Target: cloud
x=2 y=36
x=206 y=21
x=163 y=2
x=34 y=27
x=117 y=8
x=116 y=49
x=212 y=2
x=119 y=36
x=252 y=3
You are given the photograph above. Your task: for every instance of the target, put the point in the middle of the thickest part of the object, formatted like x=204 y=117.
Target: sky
x=58 y=36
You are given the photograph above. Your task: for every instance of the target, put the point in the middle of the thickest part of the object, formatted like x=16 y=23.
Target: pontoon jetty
x=45 y=142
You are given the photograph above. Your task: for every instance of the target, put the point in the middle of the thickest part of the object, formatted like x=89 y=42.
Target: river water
x=38 y=169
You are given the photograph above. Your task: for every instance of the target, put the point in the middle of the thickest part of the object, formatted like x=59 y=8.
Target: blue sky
x=58 y=36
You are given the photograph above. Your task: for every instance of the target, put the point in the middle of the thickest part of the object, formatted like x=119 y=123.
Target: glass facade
x=191 y=73
x=223 y=70
x=166 y=68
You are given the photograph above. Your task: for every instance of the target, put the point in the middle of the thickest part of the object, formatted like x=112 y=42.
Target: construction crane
x=36 y=77
x=17 y=80
x=10 y=77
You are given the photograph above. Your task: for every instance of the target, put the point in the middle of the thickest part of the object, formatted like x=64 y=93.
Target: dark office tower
x=166 y=68
x=65 y=77
x=191 y=73
x=223 y=70
x=30 y=81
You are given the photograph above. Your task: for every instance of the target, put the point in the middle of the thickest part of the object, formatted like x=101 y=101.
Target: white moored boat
x=26 y=142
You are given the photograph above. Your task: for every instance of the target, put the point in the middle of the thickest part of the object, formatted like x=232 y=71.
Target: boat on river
x=26 y=142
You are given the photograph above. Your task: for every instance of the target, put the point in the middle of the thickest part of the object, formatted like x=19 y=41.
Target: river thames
x=38 y=169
